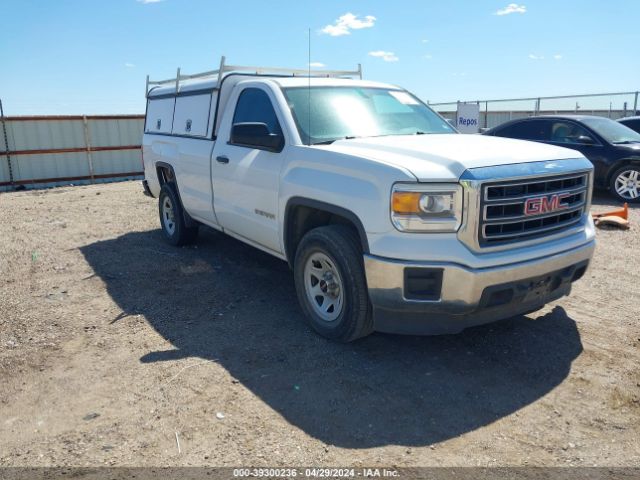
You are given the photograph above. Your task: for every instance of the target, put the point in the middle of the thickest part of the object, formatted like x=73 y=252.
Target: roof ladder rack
x=224 y=69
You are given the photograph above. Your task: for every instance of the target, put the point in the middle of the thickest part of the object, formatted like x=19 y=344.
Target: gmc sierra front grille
x=520 y=210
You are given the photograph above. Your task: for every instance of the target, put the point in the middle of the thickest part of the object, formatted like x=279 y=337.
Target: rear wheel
x=625 y=184
x=174 y=229
x=331 y=285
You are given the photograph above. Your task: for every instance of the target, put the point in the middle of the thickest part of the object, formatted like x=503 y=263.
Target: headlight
x=435 y=207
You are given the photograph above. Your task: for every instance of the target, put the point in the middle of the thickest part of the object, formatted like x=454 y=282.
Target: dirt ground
x=115 y=347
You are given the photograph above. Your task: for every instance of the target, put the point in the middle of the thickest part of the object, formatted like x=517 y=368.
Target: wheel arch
x=619 y=164
x=166 y=174
x=303 y=214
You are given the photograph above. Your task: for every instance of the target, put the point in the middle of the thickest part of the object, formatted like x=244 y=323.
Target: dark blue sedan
x=613 y=148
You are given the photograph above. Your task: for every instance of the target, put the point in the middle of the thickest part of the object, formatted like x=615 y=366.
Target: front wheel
x=331 y=285
x=174 y=229
x=625 y=184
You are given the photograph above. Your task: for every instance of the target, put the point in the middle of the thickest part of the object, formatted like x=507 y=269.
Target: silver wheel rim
x=323 y=286
x=168 y=217
x=627 y=184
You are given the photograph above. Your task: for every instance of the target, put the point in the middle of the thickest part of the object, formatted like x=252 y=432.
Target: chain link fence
x=494 y=112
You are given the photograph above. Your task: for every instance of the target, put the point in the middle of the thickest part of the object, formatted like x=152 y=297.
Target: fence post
x=6 y=144
x=87 y=143
x=635 y=104
x=486 y=114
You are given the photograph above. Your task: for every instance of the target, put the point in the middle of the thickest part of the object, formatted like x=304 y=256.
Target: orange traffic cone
x=622 y=213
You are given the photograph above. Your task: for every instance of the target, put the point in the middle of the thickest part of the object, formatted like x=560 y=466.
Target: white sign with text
x=468 y=117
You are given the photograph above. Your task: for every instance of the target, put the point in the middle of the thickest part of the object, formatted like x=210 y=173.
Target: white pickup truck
x=390 y=219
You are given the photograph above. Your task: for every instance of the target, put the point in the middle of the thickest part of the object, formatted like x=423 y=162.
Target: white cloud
x=557 y=57
x=146 y=2
x=536 y=57
x=317 y=64
x=386 y=56
x=427 y=56
x=346 y=23
x=425 y=41
x=512 y=8
x=129 y=65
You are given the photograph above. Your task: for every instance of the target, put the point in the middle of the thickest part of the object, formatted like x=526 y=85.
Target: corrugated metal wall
x=53 y=150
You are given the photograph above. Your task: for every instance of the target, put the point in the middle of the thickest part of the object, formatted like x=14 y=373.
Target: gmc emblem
x=546 y=204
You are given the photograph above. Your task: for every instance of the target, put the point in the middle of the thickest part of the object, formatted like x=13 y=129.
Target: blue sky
x=91 y=56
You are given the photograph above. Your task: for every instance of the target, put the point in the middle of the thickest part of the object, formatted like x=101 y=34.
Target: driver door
x=566 y=134
x=246 y=179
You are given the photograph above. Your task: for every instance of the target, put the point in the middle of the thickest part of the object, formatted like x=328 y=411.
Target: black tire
x=341 y=245
x=613 y=183
x=174 y=229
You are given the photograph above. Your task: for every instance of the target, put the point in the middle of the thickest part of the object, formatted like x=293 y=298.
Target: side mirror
x=585 y=140
x=256 y=135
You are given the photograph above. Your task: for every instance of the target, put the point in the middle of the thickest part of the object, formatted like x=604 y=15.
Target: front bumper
x=469 y=296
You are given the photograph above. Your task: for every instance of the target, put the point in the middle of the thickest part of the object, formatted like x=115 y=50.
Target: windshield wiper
x=626 y=142
x=329 y=142
x=351 y=137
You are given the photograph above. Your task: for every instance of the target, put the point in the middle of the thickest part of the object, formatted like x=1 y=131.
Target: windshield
x=612 y=132
x=349 y=112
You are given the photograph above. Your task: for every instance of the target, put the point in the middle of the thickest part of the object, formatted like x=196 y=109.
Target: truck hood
x=446 y=157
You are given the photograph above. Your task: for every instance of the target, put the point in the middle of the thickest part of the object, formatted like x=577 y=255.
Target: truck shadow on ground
x=224 y=301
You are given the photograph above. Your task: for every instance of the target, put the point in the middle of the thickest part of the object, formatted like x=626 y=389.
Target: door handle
x=222 y=159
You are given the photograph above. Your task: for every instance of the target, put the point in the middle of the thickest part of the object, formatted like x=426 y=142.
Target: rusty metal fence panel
x=47 y=151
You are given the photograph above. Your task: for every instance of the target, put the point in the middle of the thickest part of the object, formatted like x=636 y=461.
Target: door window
x=254 y=106
x=567 y=132
x=526 y=130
